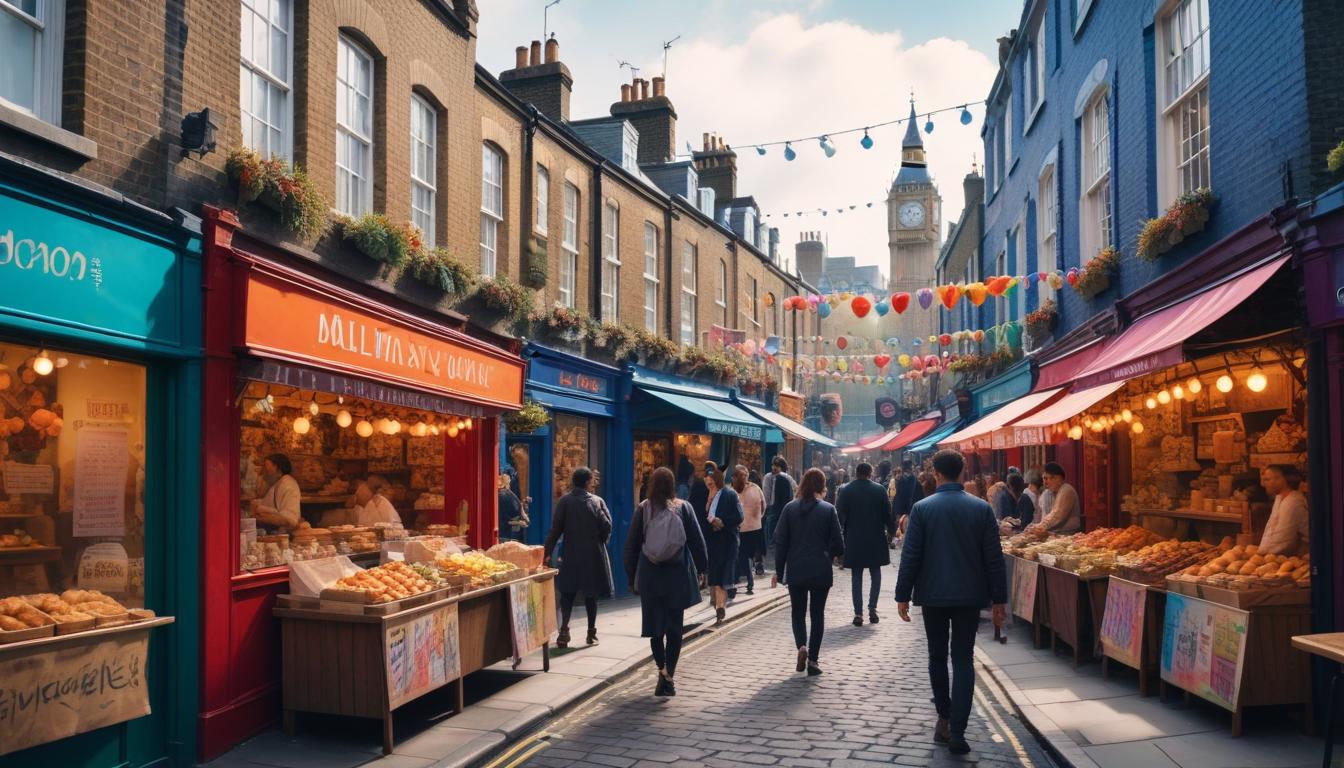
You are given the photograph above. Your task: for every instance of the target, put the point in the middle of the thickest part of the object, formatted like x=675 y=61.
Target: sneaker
x=958 y=746
x=813 y=670
x=751 y=590
x=858 y=620
x=942 y=732
x=802 y=658
x=872 y=615
x=562 y=640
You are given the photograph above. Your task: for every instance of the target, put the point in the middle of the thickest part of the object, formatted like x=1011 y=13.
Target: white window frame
x=755 y=296
x=611 y=263
x=991 y=178
x=1001 y=268
x=721 y=292
x=278 y=16
x=650 y=277
x=1018 y=308
x=1038 y=60
x=569 y=246
x=492 y=207
x=1008 y=133
x=1096 y=221
x=543 y=199
x=354 y=180
x=47 y=23
x=1183 y=67
x=424 y=168
x=689 y=299
x=1047 y=230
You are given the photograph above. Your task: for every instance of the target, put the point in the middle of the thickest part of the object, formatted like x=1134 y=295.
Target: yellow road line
x=523 y=758
x=511 y=751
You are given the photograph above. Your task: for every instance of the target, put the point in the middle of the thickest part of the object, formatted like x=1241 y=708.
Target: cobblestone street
x=739 y=702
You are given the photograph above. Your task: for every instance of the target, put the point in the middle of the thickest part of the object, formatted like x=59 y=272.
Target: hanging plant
x=282 y=188
x=615 y=339
x=1095 y=276
x=375 y=236
x=1335 y=160
x=1185 y=217
x=438 y=268
x=506 y=297
x=1042 y=322
x=531 y=417
x=534 y=274
x=566 y=323
x=654 y=348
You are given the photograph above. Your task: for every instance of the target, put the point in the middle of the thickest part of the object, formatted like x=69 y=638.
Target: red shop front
x=356 y=395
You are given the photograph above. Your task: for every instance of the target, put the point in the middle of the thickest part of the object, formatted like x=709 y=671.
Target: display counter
x=1074 y=607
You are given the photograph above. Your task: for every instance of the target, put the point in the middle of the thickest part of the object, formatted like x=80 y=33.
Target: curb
x=1061 y=747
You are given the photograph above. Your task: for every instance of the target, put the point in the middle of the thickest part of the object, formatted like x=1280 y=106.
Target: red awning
x=977 y=435
x=870 y=442
x=912 y=432
x=1034 y=429
x=1061 y=371
x=1155 y=340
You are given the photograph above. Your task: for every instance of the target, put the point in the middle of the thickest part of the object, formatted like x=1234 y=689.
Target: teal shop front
x=100 y=334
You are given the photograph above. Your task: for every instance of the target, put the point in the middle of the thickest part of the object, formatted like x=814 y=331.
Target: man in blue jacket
x=953 y=564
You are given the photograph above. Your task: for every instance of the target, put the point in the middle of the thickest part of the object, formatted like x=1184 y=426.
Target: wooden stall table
x=1330 y=646
x=1075 y=608
x=349 y=662
x=1131 y=628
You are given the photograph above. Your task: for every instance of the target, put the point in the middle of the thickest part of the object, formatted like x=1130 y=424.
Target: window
x=1095 y=227
x=650 y=277
x=492 y=207
x=721 y=293
x=424 y=133
x=265 y=60
x=611 y=264
x=991 y=178
x=354 y=129
x=1036 y=82
x=1008 y=133
x=749 y=226
x=32 y=37
x=688 y=300
x=771 y=316
x=1184 y=152
x=1000 y=153
x=755 y=303
x=1001 y=268
x=1018 y=307
x=569 y=246
x=543 y=198
x=1046 y=229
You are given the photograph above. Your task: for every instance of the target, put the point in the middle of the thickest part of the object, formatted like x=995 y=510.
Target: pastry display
x=334 y=487
x=1157 y=560
x=18 y=540
x=1243 y=567
x=518 y=553
x=483 y=570
x=17 y=613
x=385 y=583
x=430 y=501
x=58 y=609
x=1284 y=436
x=1179 y=451
x=1146 y=497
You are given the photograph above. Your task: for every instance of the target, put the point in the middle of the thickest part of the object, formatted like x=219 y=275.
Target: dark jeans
x=856 y=576
x=768 y=523
x=744 y=567
x=799 y=598
x=567 y=607
x=666 y=645
x=960 y=623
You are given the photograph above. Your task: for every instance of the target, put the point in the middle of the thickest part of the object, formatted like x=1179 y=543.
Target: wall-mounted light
x=198 y=134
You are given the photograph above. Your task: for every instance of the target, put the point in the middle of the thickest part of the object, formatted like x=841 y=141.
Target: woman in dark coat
x=581 y=518
x=720 y=520
x=665 y=589
x=807 y=539
x=865 y=517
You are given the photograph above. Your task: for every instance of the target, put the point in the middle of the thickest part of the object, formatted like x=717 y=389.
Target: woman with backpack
x=807 y=540
x=663 y=555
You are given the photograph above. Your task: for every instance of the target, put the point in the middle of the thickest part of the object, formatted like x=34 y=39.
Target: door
x=526 y=457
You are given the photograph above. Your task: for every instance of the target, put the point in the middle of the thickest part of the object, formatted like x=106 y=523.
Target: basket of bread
x=19 y=620
x=378 y=587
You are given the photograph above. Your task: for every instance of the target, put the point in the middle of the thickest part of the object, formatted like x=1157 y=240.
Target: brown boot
x=562 y=640
x=942 y=732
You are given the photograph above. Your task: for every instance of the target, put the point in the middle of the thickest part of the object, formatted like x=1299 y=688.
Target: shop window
x=354 y=128
x=32 y=37
x=578 y=442
x=424 y=133
x=689 y=258
x=492 y=207
x=265 y=60
x=611 y=264
x=569 y=247
x=1183 y=71
x=650 y=278
x=72 y=444
x=650 y=454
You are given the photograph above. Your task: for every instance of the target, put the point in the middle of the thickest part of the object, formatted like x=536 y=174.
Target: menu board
x=1122 y=623
x=102 y=460
x=422 y=653
x=18 y=478
x=1023 y=595
x=1204 y=648
x=532 y=605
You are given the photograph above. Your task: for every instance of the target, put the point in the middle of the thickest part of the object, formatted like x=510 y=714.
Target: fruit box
x=1252 y=598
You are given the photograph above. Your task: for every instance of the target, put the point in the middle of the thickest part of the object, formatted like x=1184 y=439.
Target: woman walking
x=663 y=554
x=723 y=515
x=751 y=543
x=807 y=540
x=582 y=520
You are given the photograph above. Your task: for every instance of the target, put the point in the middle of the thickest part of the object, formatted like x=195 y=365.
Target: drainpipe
x=527 y=185
x=670 y=274
x=595 y=268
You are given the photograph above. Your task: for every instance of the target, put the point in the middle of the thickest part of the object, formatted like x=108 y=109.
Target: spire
x=912 y=128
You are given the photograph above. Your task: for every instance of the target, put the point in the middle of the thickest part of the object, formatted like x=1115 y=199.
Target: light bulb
x=42 y=365
x=434 y=429
x=867 y=141
x=61 y=362
x=302 y=425
x=393 y=426
x=1178 y=392
x=760 y=150
x=789 y=154
x=1164 y=397
x=470 y=423
x=452 y=431
x=1087 y=422
x=928 y=126
x=343 y=418
x=965 y=115
x=1150 y=403
x=1224 y=383
x=420 y=430
x=1136 y=427
x=1194 y=386
x=827 y=146
x=1257 y=382
x=1075 y=432
x=1127 y=415
x=364 y=428
x=313 y=409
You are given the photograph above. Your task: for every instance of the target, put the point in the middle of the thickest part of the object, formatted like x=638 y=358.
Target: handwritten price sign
x=1122 y=624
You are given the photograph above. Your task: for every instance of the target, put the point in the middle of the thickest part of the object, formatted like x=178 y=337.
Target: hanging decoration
x=861 y=305
x=882 y=306
x=977 y=293
x=841 y=342
x=827 y=146
x=948 y=295
x=900 y=302
x=925 y=297
x=881 y=361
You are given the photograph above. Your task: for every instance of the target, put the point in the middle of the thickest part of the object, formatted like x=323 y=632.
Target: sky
x=757 y=71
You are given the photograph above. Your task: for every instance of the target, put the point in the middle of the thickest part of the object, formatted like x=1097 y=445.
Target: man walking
x=907 y=493
x=953 y=564
x=865 y=518
x=781 y=488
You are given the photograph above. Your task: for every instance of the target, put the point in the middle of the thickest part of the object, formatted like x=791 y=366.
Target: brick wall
x=565 y=168
x=636 y=209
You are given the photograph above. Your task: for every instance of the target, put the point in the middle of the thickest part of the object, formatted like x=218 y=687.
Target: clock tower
x=914 y=235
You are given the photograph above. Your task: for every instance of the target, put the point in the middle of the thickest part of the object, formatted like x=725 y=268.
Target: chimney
x=809 y=256
x=717 y=166
x=546 y=84
x=625 y=93
x=652 y=114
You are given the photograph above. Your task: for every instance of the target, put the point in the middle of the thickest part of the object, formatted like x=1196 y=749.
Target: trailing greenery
x=439 y=269
x=1185 y=217
x=531 y=417
x=503 y=295
x=1095 y=276
x=375 y=236
x=281 y=187
x=1042 y=321
x=565 y=322
x=1335 y=160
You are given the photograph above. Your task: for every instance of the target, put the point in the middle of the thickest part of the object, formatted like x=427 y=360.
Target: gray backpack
x=664 y=535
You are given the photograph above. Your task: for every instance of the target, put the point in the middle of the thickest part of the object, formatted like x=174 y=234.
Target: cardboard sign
x=422 y=653
x=1122 y=623
x=49 y=693
x=1023 y=595
x=1204 y=648
x=532 y=605
x=27 y=478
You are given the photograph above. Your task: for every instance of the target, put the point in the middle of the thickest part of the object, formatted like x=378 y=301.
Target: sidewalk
x=1097 y=723
x=502 y=704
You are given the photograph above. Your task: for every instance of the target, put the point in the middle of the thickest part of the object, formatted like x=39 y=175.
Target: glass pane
x=279 y=64
x=18 y=42
x=78 y=519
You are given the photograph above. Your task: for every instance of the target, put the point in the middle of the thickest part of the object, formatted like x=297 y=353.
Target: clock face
x=912 y=214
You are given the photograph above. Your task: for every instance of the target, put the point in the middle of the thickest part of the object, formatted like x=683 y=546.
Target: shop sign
x=733 y=429
x=16 y=478
x=570 y=381
x=1204 y=648
x=1122 y=622
x=1023 y=595
x=422 y=653
x=66 y=270
x=532 y=612
x=790 y=407
x=48 y=694
x=292 y=323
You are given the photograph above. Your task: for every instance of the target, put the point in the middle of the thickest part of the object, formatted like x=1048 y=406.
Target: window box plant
x=439 y=269
x=284 y=189
x=1094 y=277
x=375 y=236
x=1043 y=321
x=501 y=294
x=1185 y=217
x=1335 y=160
x=564 y=323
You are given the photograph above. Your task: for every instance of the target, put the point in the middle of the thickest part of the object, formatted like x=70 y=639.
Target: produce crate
x=349 y=601
x=1254 y=598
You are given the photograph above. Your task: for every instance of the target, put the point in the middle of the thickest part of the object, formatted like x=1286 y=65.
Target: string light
x=302 y=425
x=789 y=154
x=364 y=428
x=343 y=418
x=312 y=408
x=1257 y=381
x=867 y=141
x=927 y=116
x=760 y=150
x=1136 y=427
x=965 y=115
x=1194 y=385
x=42 y=364
x=1075 y=432
x=1150 y=403
x=1178 y=392
x=1224 y=383
x=1164 y=397
x=1127 y=415
x=928 y=126
x=826 y=146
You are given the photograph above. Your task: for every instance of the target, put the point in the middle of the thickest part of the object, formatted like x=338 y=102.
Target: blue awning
x=710 y=416
x=938 y=435
x=791 y=427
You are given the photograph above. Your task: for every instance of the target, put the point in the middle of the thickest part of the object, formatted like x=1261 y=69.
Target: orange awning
x=977 y=435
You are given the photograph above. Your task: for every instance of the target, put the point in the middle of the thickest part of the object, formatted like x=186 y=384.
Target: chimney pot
x=643 y=89
x=520 y=57
x=552 y=51
x=535 y=53
x=659 y=86
x=625 y=93
x=704 y=141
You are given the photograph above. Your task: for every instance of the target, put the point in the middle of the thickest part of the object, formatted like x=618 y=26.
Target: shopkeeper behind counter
x=1063 y=514
x=278 y=506
x=1287 y=530
x=371 y=506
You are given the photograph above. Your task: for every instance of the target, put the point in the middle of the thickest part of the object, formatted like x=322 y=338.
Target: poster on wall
x=532 y=605
x=1204 y=648
x=421 y=653
x=1023 y=595
x=1122 y=623
x=102 y=460
x=16 y=478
